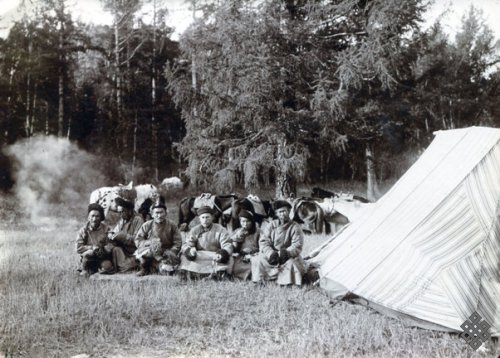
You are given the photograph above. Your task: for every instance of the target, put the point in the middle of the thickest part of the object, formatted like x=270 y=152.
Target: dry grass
x=49 y=311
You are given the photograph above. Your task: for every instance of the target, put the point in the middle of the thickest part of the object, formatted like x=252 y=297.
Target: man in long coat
x=90 y=243
x=158 y=242
x=280 y=245
x=208 y=248
x=122 y=236
x=246 y=245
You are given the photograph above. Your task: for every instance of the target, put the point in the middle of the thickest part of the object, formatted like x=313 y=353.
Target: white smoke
x=54 y=179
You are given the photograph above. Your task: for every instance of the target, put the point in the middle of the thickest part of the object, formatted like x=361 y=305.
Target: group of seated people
x=155 y=246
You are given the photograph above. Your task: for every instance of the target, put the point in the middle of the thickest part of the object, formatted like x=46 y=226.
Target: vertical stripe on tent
x=461 y=282
x=435 y=306
x=407 y=271
x=427 y=239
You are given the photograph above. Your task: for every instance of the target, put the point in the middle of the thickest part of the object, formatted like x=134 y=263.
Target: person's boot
x=85 y=273
x=145 y=268
x=142 y=272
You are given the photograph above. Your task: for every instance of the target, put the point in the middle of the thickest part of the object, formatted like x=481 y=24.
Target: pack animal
x=341 y=210
x=106 y=197
x=320 y=193
x=189 y=205
x=309 y=214
x=143 y=193
x=261 y=210
x=172 y=183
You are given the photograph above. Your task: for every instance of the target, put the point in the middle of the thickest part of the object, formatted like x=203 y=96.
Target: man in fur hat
x=158 y=242
x=90 y=243
x=208 y=248
x=280 y=247
x=122 y=236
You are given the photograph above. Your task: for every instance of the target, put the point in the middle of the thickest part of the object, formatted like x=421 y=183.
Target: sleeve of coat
x=235 y=236
x=142 y=234
x=177 y=239
x=135 y=226
x=265 y=242
x=82 y=241
x=191 y=239
x=295 y=248
x=225 y=241
x=257 y=240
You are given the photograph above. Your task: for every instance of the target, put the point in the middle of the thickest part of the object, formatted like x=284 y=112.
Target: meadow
x=48 y=310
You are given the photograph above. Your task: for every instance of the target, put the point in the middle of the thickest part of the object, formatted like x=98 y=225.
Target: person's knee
x=85 y=262
x=106 y=266
x=116 y=250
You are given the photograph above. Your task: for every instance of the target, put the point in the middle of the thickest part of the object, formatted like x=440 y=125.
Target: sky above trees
x=450 y=11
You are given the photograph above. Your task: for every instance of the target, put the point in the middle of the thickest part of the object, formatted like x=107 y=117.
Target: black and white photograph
x=249 y=178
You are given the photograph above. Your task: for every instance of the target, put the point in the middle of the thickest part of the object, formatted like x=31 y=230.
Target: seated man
x=90 y=243
x=208 y=248
x=280 y=247
x=123 y=235
x=246 y=245
x=158 y=242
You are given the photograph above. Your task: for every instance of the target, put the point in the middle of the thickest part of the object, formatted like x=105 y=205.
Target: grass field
x=47 y=310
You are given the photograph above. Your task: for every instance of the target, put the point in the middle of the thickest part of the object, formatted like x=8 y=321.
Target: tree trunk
x=60 y=117
x=193 y=62
x=9 y=100
x=118 y=92
x=68 y=132
x=285 y=183
x=27 y=124
x=33 y=109
x=154 y=125
x=321 y=167
x=134 y=149
x=372 y=191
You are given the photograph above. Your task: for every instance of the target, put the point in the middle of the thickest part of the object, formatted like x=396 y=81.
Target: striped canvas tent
x=429 y=249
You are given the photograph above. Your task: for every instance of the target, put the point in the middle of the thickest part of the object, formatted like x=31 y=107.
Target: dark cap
x=97 y=207
x=203 y=210
x=246 y=214
x=159 y=203
x=278 y=204
x=124 y=203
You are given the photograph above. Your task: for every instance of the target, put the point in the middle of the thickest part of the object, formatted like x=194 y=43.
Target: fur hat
x=246 y=214
x=278 y=204
x=95 y=206
x=159 y=203
x=124 y=203
x=203 y=210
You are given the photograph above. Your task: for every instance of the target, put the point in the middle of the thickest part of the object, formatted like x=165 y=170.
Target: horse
x=309 y=214
x=320 y=193
x=172 y=183
x=106 y=197
x=141 y=195
x=341 y=210
x=189 y=205
x=261 y=210
x=145 y=192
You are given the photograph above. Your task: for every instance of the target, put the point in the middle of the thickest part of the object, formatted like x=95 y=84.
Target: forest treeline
x=254 y=93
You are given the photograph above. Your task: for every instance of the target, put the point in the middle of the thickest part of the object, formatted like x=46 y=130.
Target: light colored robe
x=165 y=235
x=275 y=237
x=87 y=241
x=207 y=242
